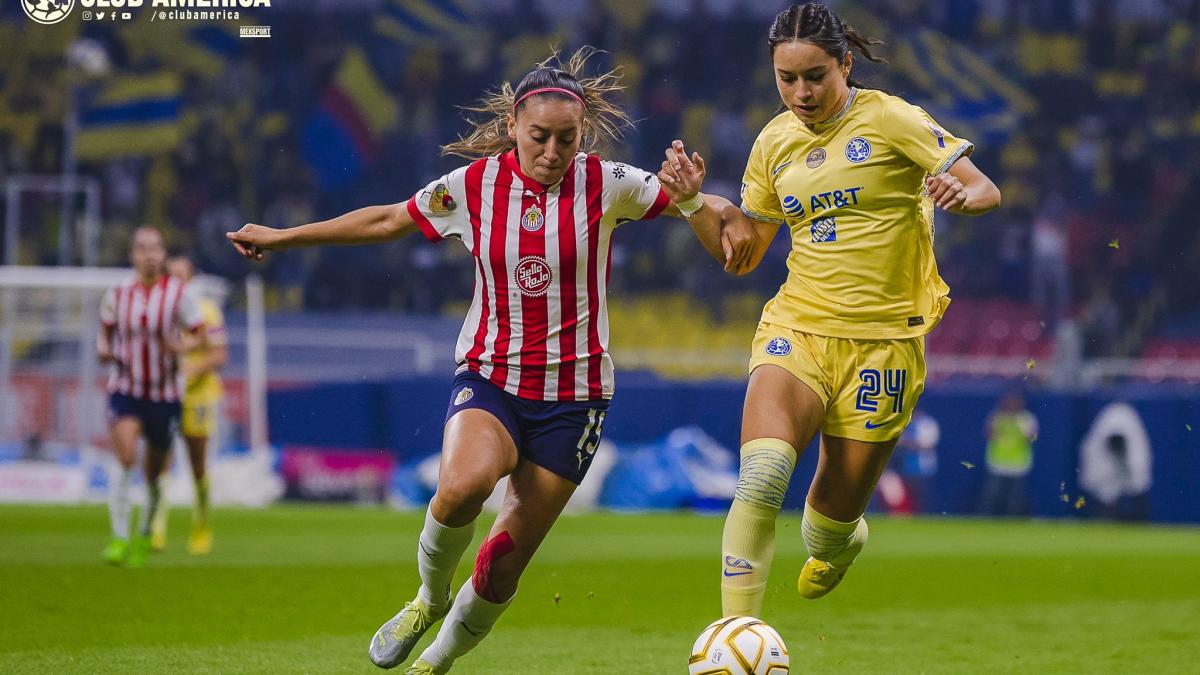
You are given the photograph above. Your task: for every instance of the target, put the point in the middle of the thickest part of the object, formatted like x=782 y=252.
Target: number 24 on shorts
x=893 y=381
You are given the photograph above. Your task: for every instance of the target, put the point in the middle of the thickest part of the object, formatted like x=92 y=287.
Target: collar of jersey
x=822 y=127
x=509 y=160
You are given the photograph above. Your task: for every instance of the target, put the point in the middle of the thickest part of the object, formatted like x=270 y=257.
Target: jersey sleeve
x=214 y=321
x=440 y=208
x=189 y=315
x=917 y=136
x=631 y=193
x=759 y=199
x=108 y=308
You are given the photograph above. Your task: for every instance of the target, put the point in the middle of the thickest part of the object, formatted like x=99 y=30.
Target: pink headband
x=545 y=90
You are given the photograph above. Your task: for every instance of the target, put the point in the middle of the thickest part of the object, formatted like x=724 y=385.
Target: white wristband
x=689 y=207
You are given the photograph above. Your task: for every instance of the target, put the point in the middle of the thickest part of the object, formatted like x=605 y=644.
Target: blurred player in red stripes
x=534 y=376
x=141 y=324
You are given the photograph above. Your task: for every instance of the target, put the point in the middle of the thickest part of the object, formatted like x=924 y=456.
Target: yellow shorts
x=869 y=387
x=198 y=421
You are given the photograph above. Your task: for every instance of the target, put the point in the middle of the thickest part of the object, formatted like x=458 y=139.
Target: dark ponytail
x=813 y=22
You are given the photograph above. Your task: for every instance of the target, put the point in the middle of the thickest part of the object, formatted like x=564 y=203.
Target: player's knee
x=765 y=471
x=459 y=499
x=490 y=580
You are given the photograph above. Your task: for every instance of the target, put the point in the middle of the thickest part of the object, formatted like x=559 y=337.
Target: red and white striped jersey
x=143 y=319
x=538 y=323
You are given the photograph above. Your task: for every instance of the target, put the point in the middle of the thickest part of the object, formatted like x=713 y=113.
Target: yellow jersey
x=852 y=193
x=205 y=389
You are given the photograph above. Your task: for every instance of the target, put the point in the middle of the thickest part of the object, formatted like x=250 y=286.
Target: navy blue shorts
x=159 y=418
x=560 y=436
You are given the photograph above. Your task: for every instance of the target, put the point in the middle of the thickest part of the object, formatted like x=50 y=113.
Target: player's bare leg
x=200 y=538
x=536 y=497
x=124 y=433
x=477 y=452
x=834 y=528
x=781 y=416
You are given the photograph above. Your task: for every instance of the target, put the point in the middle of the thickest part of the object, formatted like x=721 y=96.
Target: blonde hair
x=603 y=120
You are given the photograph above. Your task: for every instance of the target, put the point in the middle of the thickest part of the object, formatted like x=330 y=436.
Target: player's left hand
x=738 y=240
x=948 y=192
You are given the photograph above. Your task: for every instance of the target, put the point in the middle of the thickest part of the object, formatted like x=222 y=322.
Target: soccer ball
x=738 y=645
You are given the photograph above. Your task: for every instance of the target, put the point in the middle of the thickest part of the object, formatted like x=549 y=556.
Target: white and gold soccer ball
x=738 y=645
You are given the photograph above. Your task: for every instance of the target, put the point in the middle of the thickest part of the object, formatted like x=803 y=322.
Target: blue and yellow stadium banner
x=131 y=115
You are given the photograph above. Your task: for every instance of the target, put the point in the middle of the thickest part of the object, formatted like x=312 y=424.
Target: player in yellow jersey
x=855 y=174
x=202 y=396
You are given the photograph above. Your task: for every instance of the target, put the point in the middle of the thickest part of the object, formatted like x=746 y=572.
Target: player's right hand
x=681 y=177
x=253 y=241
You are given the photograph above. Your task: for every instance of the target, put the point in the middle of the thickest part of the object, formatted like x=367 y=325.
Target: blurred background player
x=534 y=378
x=856 y=174
x=202 y=362
x=142 y=323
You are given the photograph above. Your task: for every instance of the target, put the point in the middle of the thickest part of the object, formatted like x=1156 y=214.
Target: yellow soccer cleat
x=200 y=539
x=818 y=578
x=421 y=667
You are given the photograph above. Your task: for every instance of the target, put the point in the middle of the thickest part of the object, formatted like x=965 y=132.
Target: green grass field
x=302 y=589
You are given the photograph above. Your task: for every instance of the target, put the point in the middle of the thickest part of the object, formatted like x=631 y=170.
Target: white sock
x=469 y=621
x=119 y=504
x=153 y=493
x=439 y=551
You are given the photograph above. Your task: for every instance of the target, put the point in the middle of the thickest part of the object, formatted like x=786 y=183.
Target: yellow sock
x=748 y=542
x=833 y=541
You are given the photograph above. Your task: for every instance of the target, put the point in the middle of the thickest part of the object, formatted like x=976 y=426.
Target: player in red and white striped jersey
x=534 y=377
x=141 y=321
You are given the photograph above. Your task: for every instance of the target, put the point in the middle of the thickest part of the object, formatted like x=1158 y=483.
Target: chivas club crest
x=534 y=219
x=440 y=200
x=464 y=395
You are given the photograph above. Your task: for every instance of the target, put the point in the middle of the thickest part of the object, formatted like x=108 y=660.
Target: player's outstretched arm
x=730 y=243
x=369 y=225
x=963 y=189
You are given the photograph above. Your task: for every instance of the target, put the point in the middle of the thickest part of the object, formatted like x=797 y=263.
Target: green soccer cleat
x=396 y=638
x=420 y=667
x=116 y=552
x=139 y=550
x=818 y=578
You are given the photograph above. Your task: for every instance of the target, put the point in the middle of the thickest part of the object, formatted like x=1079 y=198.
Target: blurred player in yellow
x=201 y=397
x=855 y=174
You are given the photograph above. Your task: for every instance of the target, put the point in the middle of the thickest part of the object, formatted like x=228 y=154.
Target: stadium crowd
x=1085 y=112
